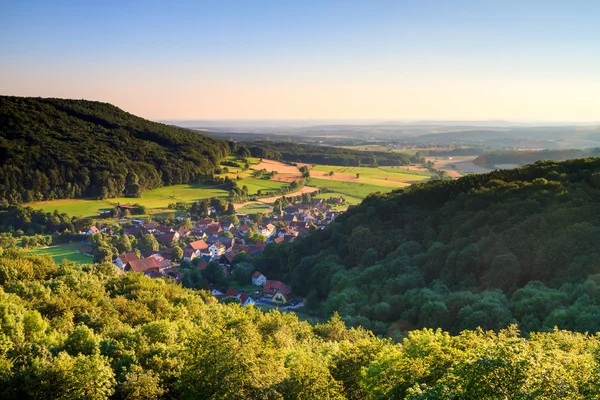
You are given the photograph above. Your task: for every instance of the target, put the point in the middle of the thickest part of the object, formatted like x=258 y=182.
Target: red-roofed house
x=123 y=259
x=258 y=279
x=167 y=238
x=146 y=265
x=278 y=292
x=231 y=293
x=246 y=300
x=93 y=230
x=199 y=245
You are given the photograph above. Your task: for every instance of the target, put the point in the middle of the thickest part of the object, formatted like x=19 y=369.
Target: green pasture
x=63 y=251
x=347 y=189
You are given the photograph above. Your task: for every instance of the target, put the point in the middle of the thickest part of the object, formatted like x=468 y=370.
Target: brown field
x=457 y=166
x=285 y=172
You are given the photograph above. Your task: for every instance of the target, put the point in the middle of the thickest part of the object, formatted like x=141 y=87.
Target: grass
x=348 y=189
x=63 y=251
x=349 y=199
x=253 y=208
x=264 y=185
x=384 y=176
x=155 y=199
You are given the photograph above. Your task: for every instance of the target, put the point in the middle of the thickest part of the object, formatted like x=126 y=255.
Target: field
x=235 y=172
x=285 y=172
x=155 y=199
x=343 y=181
x=264 y=185
x=347 y=189
x=253 y=208
x=385 y=176
x=67 y=251
x=457 y=166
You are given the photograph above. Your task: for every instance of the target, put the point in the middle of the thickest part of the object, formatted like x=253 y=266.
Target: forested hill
x=55 y=148
x=511 y=246
x=92 y=332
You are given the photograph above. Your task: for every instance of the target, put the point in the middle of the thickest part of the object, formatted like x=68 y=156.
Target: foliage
x=59 y=149
x=90 y=332
x=484 y=250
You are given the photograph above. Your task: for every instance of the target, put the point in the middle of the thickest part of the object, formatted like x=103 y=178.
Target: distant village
x=215 y=252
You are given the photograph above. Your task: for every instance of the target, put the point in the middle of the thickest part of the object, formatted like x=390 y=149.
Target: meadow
x=382 y=176
x=59 y=252
x=356 y=190
x=155 y=199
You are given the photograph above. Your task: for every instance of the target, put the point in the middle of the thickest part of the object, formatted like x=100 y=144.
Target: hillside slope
x=54 y=148
x=90 y=332
x=486 y=250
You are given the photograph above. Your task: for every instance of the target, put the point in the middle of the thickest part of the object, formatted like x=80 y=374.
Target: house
x=216 y=250
x=279 y=240
x=162 y=261
x=246 y=300
x=267 y=231
x=227 y=257
x=167 y=238
x=123 y=259
x=201 y=265
x=278 y=292
x=217 y=293
x=92 y=230
x=226 y=226
x=189 y=254
x=231 y=293
x=213 y=229
x=164 y=229
x=243 y=229
x=184 y=232
x=199 y=245
x=289 y=218
x=258 y=279
x=144 y=265
x=150 y=227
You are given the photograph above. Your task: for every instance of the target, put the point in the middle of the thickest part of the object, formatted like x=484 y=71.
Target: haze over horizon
x=333 y=60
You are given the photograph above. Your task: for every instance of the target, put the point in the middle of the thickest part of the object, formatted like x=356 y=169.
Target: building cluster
x=209 y=240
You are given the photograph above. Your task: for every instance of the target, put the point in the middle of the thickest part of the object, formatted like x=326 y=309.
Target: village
x=214 y=252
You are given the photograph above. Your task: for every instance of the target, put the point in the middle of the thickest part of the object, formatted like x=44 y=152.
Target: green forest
x=92 y=332
x=294 y=152
x=512 y=246
x=522 y=157
x=56 y=149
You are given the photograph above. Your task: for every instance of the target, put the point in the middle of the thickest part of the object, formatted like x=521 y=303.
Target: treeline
x=511 y=246
x=90 y=332
x=55 y=149
x=19 y=220
x=490 y=160
x=294 y=152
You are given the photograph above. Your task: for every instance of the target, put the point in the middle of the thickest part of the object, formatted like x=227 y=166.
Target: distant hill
x=485 y=250
x=55 y=149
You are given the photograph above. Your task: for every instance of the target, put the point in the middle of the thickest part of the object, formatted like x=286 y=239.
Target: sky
x=375 y=60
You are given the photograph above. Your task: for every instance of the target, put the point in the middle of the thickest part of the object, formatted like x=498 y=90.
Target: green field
x=383 y=176
x=253 y=208
x=264 y=185
x=63 y=251
x=349 y=199
x=153 y=199
x=347 y=189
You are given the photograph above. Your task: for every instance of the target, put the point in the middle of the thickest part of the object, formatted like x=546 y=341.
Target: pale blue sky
x=309 y=59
